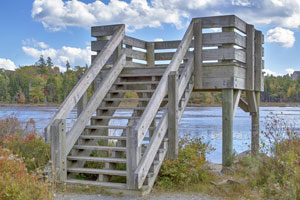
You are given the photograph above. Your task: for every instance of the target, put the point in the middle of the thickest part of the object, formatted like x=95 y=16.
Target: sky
x=61 y=29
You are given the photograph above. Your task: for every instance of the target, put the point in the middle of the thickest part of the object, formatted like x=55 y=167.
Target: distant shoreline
x=263 y=104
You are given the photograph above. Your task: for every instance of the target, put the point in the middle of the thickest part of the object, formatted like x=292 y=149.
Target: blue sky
x=61 y=29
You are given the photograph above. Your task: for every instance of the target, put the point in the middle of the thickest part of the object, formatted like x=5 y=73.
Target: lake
x=205 y=122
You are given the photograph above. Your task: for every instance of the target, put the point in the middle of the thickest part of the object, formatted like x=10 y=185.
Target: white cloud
x=34 y=43
x=136 y=14
x=76 y=56
x=7 y=64
x=268 y=72
x=289 y=71
x=158 y=40
x=282 y=36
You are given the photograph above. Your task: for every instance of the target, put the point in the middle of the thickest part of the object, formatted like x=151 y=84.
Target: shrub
x=9 y=125
x=279 y=175
x=188 y=168
x=16 y=182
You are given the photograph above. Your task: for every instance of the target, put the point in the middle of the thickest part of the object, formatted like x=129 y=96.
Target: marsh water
x=204 y=122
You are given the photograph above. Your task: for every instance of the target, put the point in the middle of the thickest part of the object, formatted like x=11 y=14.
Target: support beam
x=255 y=127
x=198 y=54
x=58 y=149
x=81 y=105
x=251 y=99
x=250 y=58
x=236 y=100
x=259 y=82
x=173 y=115
x=150 y=54
x=243 y=105
x=227 y=126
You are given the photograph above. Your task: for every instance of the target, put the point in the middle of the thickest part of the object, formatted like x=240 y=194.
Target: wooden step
x=103 y=137
x=140 y=75
x=115 y=117
x=123 y=91
x=97 y=183
x=97 y=159
x=97 y=171
x=137 y=83
x=110 y=127
x=100 y=148
x=131 y=99
x=125 y=108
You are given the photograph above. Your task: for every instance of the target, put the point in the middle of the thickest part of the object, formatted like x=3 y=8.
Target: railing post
x=173 y=115
x=133 y=157
x=198 y=54
x=250 y=57
x=82 y=103
x=150 y=54
x=58 y=149
x=255 y=127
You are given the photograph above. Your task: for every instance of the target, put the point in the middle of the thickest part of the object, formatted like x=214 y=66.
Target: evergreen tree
x=49 y=62
x=68 y=65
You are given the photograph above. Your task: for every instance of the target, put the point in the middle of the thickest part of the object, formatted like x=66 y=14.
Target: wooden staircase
x=117 y=142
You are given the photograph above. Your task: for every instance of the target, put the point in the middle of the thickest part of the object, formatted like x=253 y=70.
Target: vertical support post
x=58 y=148
x=82 y=103
x=259 y=83
x=227 y=126
x=150 y=54
x=255 y=127
x=198 y=54
x=173 y=115
x=133 y=157
x=250 y=57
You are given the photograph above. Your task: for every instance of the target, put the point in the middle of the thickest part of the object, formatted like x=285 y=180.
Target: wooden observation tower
x=228 y=61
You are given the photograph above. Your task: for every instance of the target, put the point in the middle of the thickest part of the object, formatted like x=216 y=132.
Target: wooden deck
x=162 y=75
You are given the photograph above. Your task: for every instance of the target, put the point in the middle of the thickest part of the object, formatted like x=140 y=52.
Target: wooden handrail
x=162 y=88
x=149 y=155
x=88 y=77
x=95 y=102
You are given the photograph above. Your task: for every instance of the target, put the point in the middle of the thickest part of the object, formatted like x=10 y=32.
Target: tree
x=68 y=65
x=49 y=62
x=4 y=81
x=41 y=64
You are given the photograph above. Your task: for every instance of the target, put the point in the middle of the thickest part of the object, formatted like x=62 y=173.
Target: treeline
x=39 y=83
x=44 y=83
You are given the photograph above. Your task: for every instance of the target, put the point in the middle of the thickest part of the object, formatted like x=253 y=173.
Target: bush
x=24 y=143
x=279 y=175
x=188 y=168
x=16 y=182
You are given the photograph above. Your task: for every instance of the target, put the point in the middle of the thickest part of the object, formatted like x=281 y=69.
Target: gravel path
x=148 y=197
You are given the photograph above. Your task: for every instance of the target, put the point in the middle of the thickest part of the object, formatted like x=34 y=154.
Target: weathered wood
x=223 y=21
x=236 y=100
x=243 y=105
x=250 y=57
x=94 y=102
x=173 y=115
x=198 y=54
x=81 y=105
x=98 y=31
x=227 y=127
x=223 y=71
x=258 y=79
x=58 y=148
x=161 y=90
x=251 y=99
x=134 y=42
x=135 y=54
x=223 y=83
x=209 y=40
x=150 y=54
x=255 y=127
x=86 y=80
x=159 y=133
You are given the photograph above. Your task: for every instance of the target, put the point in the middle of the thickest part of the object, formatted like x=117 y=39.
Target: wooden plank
x=134 y=42
x=108 y=185
x=243 y=105
x=150 y=54
x=135 y=54
x=209 y=39
x=97 y=171
x=250 y=57
x=173 y=115
x=198 y=55
x=81 y=105
x=97 y=159
x=161 y=90
x=258 y=82
x=255 y=127
x=99 y=148
x=58 y=148
x=98 y=31
x=227 y=127
x=224 y=54
x=88 y=77
x=224 y=71
x=223 y=83
x=169 y=55
x=236 y=100
x=223 y=21
x=251 y=99
x=130 y=64
x=185 y=76
x=94 y=102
